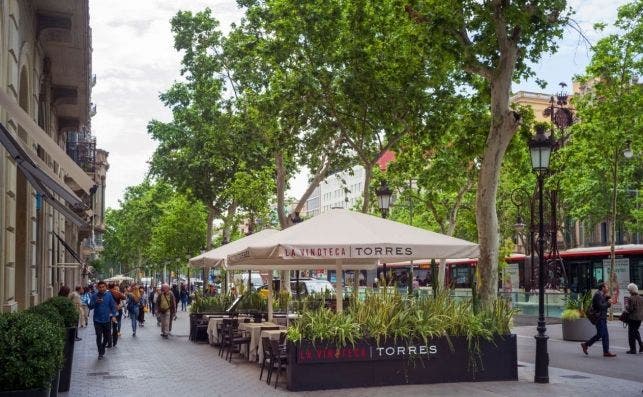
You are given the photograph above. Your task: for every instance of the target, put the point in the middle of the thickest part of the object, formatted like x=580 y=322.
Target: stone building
x=46 y=197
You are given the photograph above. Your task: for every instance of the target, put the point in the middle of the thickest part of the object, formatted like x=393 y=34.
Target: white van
x=255 y=279
x=311 y=286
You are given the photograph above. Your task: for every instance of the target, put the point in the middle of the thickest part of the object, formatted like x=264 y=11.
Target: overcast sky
x=134 y=60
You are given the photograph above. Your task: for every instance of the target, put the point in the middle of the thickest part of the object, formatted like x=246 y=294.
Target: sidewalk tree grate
x=114 y=377
x=575 y=376
x=97 y=373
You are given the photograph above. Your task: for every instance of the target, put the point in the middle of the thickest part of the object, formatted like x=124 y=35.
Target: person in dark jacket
x=600 y=303
x=104 y=311
x=634 y=309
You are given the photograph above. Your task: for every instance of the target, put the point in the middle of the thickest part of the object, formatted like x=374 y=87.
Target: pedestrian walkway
x=149 y=365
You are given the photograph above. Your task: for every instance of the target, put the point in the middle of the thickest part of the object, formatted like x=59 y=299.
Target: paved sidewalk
x=151 y=366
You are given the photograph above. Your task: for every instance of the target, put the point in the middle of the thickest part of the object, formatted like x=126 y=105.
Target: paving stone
x=148 y=365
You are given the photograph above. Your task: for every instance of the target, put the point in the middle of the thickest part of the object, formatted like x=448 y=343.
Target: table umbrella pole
x=270 y=298
x=339 y=288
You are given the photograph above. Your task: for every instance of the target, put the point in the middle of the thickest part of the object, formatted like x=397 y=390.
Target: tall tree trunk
x=281 y=189
x=208 y=234
x=228 y=223
x=503 y=127
x=366 y=196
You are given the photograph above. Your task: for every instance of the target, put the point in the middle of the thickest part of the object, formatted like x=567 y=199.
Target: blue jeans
x=133 y=315
x=601 y=333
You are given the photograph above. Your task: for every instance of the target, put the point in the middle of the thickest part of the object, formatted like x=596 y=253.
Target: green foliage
x=31 y=351
x=179 y=230
x=65 y=308
x=50 y=312
x=253 y=301
x=597 y=181
x=570 y=314
x=215 y=304
x=580 y=303
x=390 y=316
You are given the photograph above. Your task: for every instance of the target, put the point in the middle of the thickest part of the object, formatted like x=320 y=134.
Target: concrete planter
x=578 y=330
x=65 y=372
x=325 y=366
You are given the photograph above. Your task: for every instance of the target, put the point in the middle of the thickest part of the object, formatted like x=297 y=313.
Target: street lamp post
x=187 y=259
x=540 y=149
x=384 y=200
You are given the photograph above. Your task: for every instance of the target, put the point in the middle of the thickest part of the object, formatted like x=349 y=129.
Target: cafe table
x=254 y=329
x=270 y=334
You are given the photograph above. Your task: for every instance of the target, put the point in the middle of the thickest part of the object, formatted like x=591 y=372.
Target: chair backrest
x=274 y=347
x=282 y=338
x=265 y=345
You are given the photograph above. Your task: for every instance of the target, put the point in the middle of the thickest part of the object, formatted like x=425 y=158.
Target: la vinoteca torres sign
x=339 y=252
x=315 y=354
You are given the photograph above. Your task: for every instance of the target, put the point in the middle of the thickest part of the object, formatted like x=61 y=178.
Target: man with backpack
x=600 y=304
x=166 y=308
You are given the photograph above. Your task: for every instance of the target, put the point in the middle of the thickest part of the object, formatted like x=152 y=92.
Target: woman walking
x=85 y=297
x=634 y=309
x=142 y=305
x=133 y=301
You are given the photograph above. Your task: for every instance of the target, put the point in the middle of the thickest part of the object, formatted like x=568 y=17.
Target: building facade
x=340 y=190
x=45 y=195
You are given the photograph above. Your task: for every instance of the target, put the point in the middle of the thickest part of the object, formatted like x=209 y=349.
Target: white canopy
x=356 y=240
x=217 y=256
x=343 y=239
x=118 y=278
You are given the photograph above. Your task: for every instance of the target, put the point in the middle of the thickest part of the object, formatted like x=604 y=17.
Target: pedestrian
x=600 y=304
x=157 y=293
x=119 y=298
x=85 y=296
x=75 y=298
x=177 y=295
x=166 y=308
x=634 y=309
x=150 y=299
x=142 y=306
x=133 y=301
x=64 y=291
x=104 y=311
x=183 y=295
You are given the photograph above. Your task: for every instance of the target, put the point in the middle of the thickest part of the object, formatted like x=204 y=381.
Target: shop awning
x=72 y=169
x=42 y=179
x=71 y=251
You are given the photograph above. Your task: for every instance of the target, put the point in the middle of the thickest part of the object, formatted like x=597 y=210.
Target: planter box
x=578 y=330
x=65 y=371
x=324 y=366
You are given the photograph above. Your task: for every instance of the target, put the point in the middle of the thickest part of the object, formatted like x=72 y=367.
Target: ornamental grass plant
x=387 y=315
x=576 y=306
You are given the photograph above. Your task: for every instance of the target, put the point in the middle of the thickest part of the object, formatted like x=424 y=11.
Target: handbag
x=624 y=317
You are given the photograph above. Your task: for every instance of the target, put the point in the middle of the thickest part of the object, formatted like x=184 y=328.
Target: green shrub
x=49 y=312
x=31 y=351
x=66 y=308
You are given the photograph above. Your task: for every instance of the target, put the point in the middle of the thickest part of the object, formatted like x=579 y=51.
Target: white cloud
x=134 y=60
